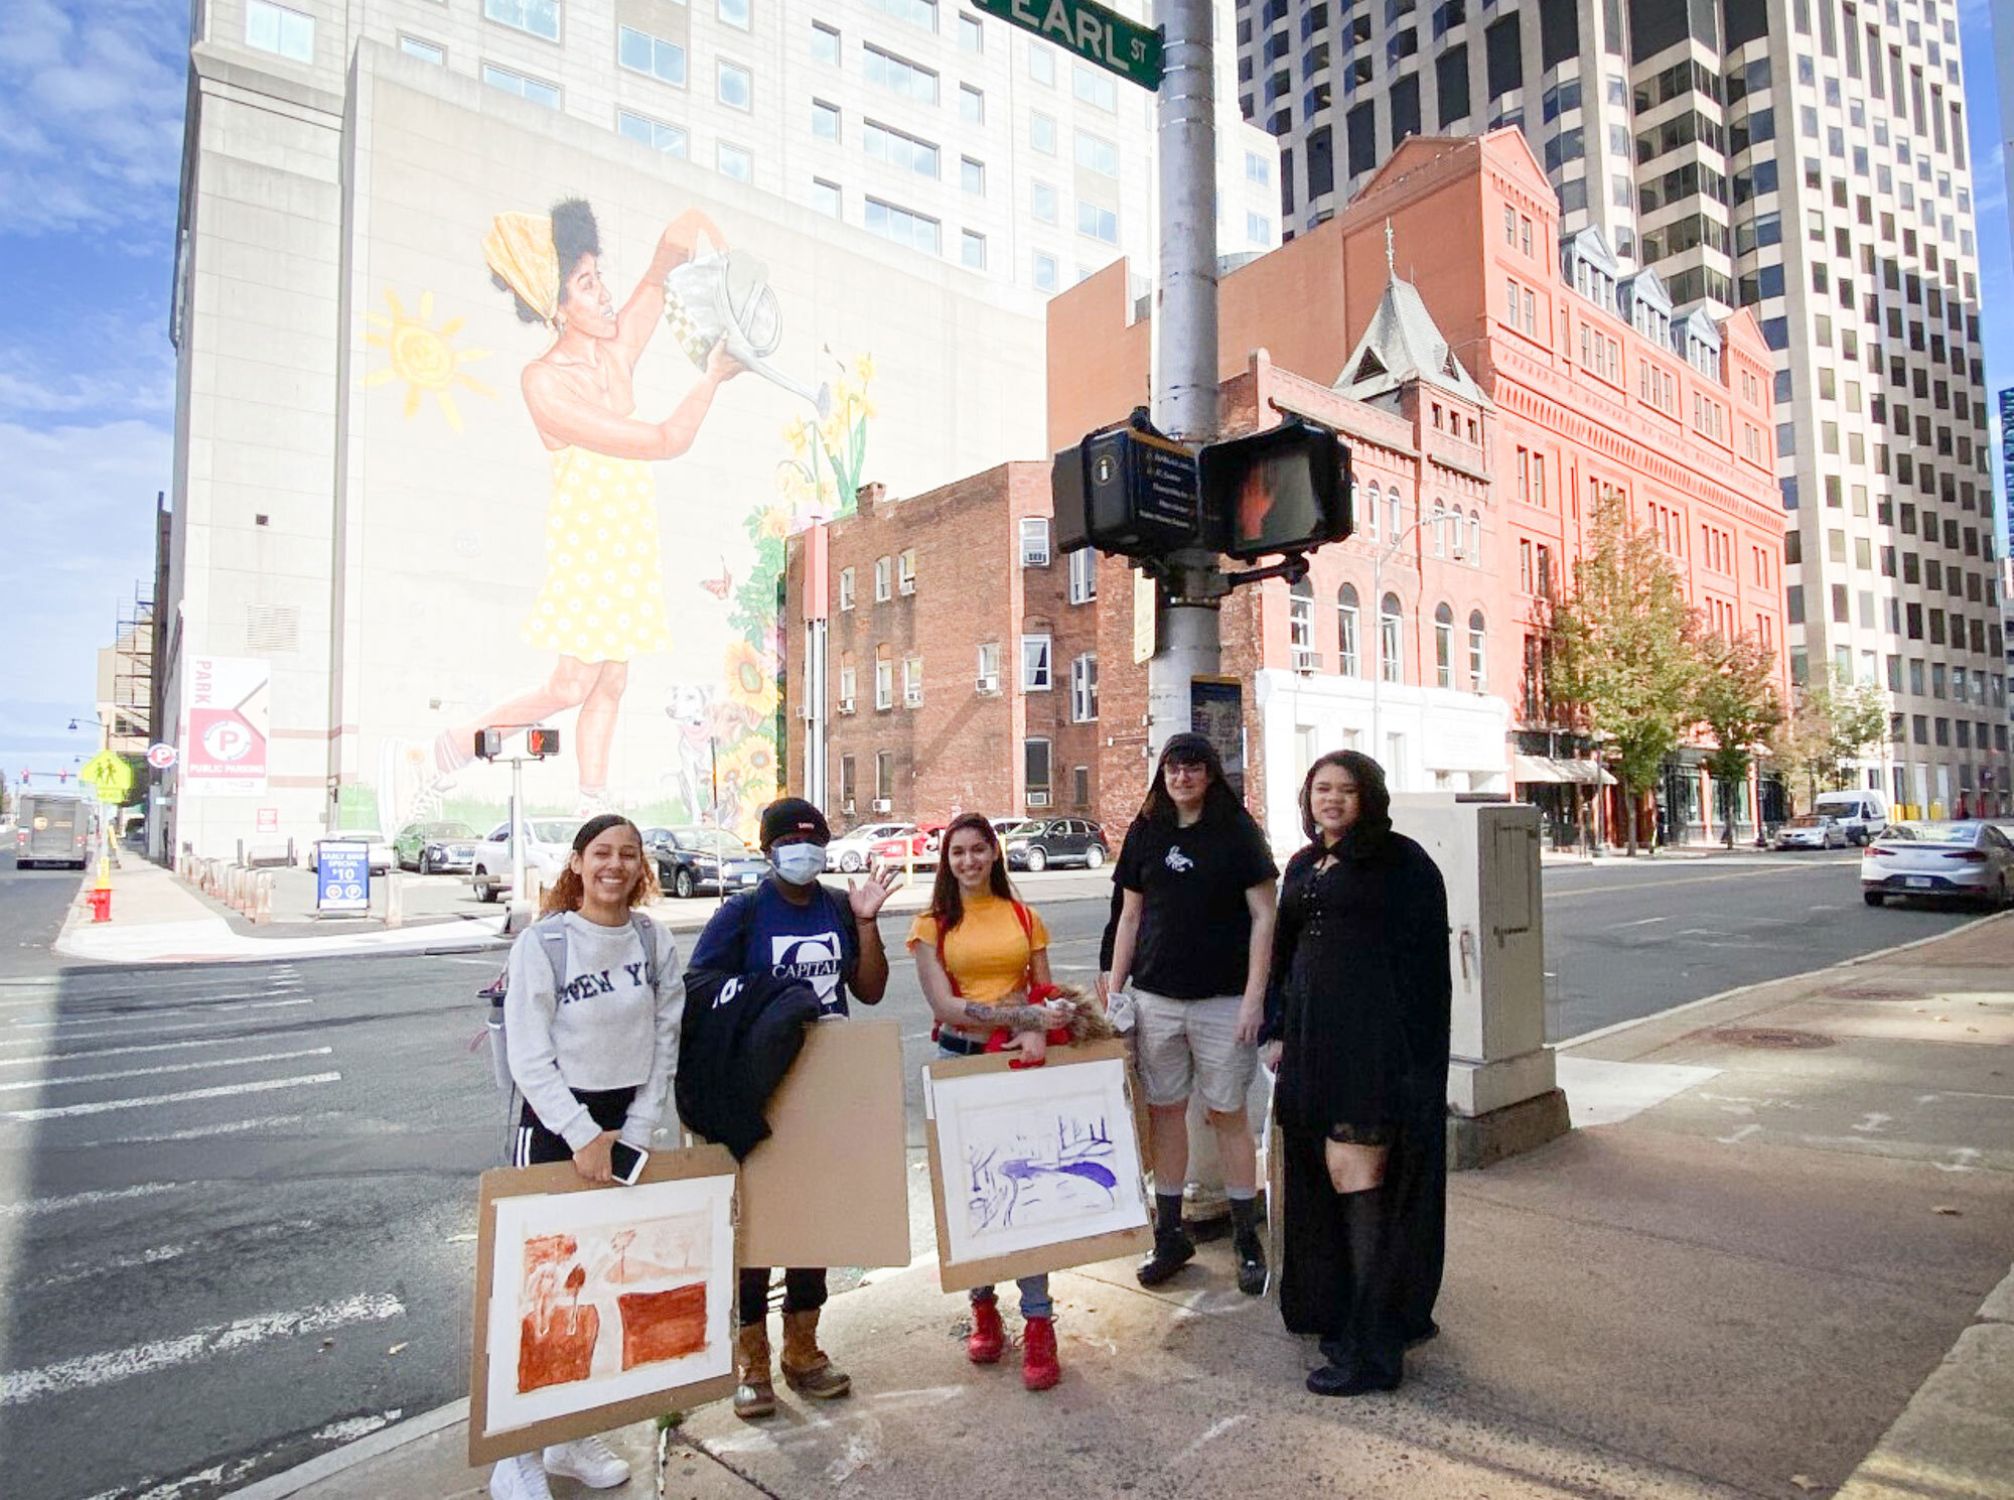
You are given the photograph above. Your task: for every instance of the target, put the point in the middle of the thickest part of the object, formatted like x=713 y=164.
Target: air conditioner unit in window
x=1034 y=557
x=847 y=807
x=1306 y=660
x=882 y=805
x=846 y=705
x=988 y=683
x=906 y=586
x=1038 y=799
x=912 y=697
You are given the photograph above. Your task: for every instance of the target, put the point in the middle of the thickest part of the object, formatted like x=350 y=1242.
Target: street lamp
x=1379 y=558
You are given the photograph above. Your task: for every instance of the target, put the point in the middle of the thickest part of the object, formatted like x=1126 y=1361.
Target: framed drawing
x=598 y=1307
x=1034 y=1169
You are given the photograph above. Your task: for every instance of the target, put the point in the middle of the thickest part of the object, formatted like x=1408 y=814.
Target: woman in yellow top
x=979 y=953
x=602 y=601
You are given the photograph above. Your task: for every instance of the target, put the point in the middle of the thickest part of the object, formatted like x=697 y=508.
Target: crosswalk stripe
x=38 y=1059
x=187 y=1067
x=184 y=1096
x=279 y=987
x=43 y=1041
x=17 y=1387
x=35 y=1207
x=166 y=1010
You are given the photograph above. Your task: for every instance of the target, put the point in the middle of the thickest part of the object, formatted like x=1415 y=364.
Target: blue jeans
x=1035 y=1301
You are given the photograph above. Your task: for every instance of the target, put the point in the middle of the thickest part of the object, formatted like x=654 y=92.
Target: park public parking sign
x=1101 y=37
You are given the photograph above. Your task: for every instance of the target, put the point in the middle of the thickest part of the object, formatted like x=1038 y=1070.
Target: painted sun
x=423 y=356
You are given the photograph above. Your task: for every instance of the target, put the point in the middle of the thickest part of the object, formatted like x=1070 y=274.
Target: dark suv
x=1044 y=842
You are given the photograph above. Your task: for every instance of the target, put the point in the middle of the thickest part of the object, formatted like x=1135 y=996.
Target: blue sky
x=90 y=149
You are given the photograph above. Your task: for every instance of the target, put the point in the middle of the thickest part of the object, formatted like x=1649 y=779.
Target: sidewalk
x=1740 y=1277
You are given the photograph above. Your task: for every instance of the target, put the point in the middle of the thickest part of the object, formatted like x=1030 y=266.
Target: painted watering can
x=728 y=296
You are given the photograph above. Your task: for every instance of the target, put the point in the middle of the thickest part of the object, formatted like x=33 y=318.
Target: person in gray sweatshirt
x=593 y=1054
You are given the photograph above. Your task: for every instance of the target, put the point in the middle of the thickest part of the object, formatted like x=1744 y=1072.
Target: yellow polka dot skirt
x=603 y=596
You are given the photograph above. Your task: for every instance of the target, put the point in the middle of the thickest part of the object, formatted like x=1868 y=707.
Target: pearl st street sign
x=1101 y=37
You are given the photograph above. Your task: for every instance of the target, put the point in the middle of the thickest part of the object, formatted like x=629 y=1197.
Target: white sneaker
x=519 y=1478
x=589 y=1460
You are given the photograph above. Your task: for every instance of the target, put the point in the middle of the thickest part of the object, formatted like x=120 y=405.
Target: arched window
x=1444 y=645
x=1391 y=658
x=1395 y=520
x=1346 y=630
x=1478 y=678
x=1441 y=530
x=1377 y=497
x=1475 y=539
x=1301 y=627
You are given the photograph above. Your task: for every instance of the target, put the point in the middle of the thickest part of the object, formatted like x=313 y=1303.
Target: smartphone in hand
x=627 y=1162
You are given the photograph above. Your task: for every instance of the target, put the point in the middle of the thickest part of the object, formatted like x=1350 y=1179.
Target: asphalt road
x=237 y=1201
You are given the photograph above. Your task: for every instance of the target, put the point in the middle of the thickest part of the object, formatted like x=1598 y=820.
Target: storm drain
x=1779 y=1038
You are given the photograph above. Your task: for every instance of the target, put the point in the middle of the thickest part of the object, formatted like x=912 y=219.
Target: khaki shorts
x=1193 y=1044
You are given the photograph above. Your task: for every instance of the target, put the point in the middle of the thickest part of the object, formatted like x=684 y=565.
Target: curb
x=363 y=1450
x=1602 y=1032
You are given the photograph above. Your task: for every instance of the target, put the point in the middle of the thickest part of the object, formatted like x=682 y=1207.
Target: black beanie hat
x=788 y=815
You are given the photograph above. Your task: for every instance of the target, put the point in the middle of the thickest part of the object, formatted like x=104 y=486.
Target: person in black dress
x=1357 y=1023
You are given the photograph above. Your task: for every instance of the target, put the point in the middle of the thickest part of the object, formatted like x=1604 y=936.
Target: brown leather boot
x=754 y=1396
x=806 y=1368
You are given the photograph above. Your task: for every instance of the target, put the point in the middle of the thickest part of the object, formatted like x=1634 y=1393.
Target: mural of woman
x=602 y=600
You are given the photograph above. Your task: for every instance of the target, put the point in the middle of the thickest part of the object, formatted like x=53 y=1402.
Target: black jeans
x=803 y=1291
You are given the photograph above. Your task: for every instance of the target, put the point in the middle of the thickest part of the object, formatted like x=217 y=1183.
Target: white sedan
x=1971 y=859
x=1811 y=831
x=850 y=853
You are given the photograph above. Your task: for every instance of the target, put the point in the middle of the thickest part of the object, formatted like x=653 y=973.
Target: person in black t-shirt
x=1193 y=946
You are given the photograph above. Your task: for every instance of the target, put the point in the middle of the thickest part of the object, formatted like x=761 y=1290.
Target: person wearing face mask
x=793 y=926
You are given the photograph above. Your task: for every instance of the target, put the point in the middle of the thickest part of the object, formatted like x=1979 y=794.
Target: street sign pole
x=1185 y=358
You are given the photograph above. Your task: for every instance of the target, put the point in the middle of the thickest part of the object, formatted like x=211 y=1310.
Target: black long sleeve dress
x=1360 y=999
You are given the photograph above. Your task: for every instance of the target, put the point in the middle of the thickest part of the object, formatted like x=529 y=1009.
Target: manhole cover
x=1777 y=1037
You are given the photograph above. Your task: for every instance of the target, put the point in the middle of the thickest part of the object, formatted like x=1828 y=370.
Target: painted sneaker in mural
x=593 y=803
x=591 y=1461
x=413 y=776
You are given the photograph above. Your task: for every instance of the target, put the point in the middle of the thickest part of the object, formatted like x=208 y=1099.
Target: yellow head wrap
x=519 y=248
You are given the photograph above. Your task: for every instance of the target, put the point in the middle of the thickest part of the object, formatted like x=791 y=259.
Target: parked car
x=1040 y=843
x=1811 y=831
x=915 y=844
x=381 y=848
x=851 y=851
x=548 y=844
x=1862 y=814
x=1971 y=859
x=695 y=861
x=432 y=848
x=1002 y=827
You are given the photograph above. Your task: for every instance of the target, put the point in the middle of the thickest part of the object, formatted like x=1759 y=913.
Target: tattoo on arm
x=1013 y=1017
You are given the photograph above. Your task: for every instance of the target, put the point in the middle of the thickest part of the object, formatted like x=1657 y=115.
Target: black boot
x=1173 y=1249
x=1374 y=1352
x=1246 y=1246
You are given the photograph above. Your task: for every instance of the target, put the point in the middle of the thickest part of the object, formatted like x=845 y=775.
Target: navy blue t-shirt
x=763 y=931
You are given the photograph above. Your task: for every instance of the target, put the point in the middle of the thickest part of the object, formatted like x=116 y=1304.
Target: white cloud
x=101 y=365
x=91 y=99
x=77 y=517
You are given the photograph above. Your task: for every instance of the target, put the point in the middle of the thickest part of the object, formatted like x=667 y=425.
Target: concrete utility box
x=1503 y=1095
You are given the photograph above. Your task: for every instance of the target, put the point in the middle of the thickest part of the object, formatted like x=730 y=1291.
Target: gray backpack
x=551 y=934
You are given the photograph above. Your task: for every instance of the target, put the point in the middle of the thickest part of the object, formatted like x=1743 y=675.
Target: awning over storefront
x=1528 y=769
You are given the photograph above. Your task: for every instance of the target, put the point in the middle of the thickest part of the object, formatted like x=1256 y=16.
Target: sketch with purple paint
x=1042 y=1156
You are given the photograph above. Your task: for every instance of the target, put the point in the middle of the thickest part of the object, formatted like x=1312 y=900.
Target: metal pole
x=1185 y=355
x=517 y=829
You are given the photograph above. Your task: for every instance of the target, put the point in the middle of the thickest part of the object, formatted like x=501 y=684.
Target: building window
x=1034 y=541
x=884 y=682
x=1035 y=663
x=1258 y=229
x=898 y=75
x=972 y=250
x=425 y=51
x=1083 y=576
x=1096 y=154
x=1391 y=660
x=1301 y=627
x=1394 y=513
x=734 y=12
x=989 y=667
x=1478 y=677
x=884 y=576
x=1095 y=88
x=912 y=682
x=1444 y=646
x=1047 y=277
x=1041 y=63
x=539 y=17
x=670 y=139
x=971 y=34
x=734 y=161
x=1042 y=133
x=905 y=226
x=899 y=150
x=537 y=90
x=824 y=43
x=905 y=571
x=1084 y=689
x=274 y=28
x=1099 y=223
x=826 y=197
x=735 y=86
x=1347 y=658
x=971 y=105
x=1035 y=763
x=884 y=779
x=824 y=120
x=848 y=780
x=972 y=175
x=1080 y=785
x=916 y=12
x=1042 y=201
x=846 y=588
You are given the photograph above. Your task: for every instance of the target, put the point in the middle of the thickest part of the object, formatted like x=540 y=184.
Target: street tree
x=1626 y=660
x=1736 y=701
x=1831 y=726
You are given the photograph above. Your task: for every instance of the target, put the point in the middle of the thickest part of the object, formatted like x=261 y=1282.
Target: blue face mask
x=800 y=864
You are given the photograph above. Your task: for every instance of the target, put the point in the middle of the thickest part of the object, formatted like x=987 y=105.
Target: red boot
x=987 y=1338
x=1039 y=1369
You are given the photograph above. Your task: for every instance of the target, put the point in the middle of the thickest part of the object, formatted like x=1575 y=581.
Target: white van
x=1863 y=813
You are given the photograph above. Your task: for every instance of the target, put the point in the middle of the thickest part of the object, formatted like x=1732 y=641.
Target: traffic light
x=1126 y=490
x=539 y=743
x=489 y=744
x=1284 y=490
